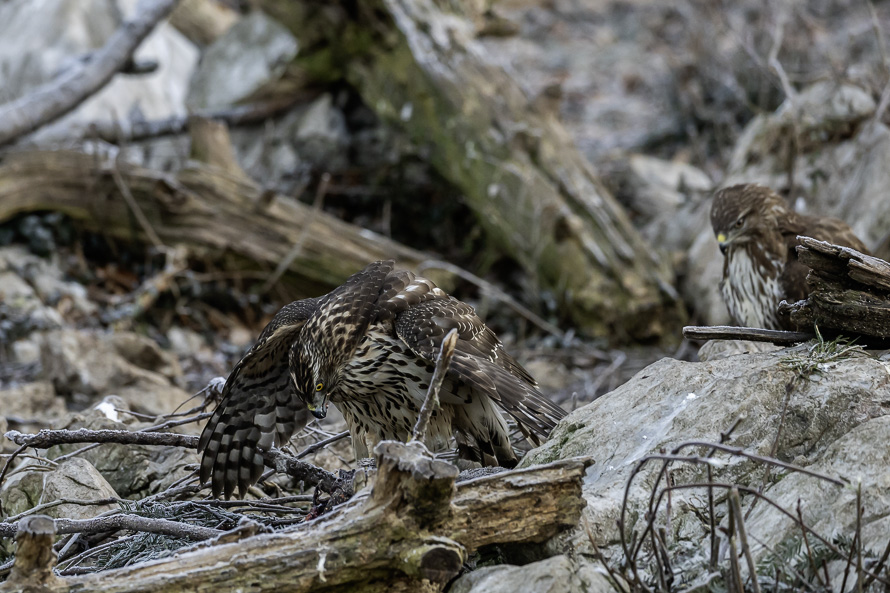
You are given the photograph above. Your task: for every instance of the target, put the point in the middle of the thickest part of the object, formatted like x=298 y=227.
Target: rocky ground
x=668 y=101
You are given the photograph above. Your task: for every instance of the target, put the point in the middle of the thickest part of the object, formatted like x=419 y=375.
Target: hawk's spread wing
x=258 y=406
x=480 y=361
x=342 y=318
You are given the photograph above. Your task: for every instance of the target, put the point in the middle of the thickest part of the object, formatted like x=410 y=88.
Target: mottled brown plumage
x=369 y=348
x=757 y=233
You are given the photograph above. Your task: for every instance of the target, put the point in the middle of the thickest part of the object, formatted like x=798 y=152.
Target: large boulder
x=821 y=406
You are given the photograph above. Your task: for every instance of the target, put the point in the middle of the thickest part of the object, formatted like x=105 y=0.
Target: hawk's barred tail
x=258 y=407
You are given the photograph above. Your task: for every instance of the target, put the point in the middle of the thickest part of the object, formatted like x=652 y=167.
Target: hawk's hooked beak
x=722 y=241
x=319 y=411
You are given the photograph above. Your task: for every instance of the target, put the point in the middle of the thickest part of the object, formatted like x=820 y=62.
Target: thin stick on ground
x=322 y=444
x=122 y=521
x=431 y=403
x=753 y=334
x=138 y=214
x=736 y=503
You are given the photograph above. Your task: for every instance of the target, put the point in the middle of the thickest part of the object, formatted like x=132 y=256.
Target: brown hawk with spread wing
x=757 y=233
x=369 y=347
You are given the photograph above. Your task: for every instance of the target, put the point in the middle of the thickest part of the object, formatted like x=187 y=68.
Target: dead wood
x=203 y=208
x=34 y=557
x=538 y=198
x=849 y=292
x=754 y=334
x=412 y=532
x=62 y=95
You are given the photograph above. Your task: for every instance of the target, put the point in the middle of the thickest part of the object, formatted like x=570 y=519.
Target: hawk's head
x=745 y=213
x=312 y=379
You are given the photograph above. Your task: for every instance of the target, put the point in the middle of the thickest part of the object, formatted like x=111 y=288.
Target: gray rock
x=658 y=187
x=557 y=574
x=717 y=349
x=671 y=401
x=91 y=363
x=311 y=135
x=33 y=484
x=145 y=353
x=22 y=488
x=77 y=479
x=252 y=53
x=861 y=457
x=46 y=282
x=132 y=470
x=32 y=401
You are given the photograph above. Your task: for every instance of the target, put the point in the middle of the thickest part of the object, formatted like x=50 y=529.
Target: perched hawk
x=369 y=348
x=757 y=235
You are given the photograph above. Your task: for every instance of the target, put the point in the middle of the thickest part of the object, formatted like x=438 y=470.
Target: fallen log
x=205 y=209
x=418 y=66
x=411 y=532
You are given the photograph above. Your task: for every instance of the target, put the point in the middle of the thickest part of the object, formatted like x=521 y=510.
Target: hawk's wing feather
x=344 y=314
x=479 y=360
x=258 y=407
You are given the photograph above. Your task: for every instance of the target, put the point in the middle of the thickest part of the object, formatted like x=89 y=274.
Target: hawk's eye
x=740 y=222
x=319 y=387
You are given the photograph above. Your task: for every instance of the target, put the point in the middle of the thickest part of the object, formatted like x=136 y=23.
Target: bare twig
x=48 y=438
x=8 y=464
x=48 y=505
x=431 y=402
x=122 y=521
x=322 y=444
x=736 y=504
x=754 y=334
x=61 y=96
x=297 y=248
x=810 y=558
x=599 y=555
x=133 y=205
x=276 y=458
x=239 y=115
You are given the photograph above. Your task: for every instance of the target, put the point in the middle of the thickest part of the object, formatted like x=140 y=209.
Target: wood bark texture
x=209 y=210
x=537 y=197
x=412 y=532
x=850 y=291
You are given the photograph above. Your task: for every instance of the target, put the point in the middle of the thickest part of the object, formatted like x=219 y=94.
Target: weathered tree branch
x=410 y=533
x=61 y=96
x=34 y=557
x=123 y=521
x=202 y=208
x=536 y=196
x=754 y=334
x=849 y=292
